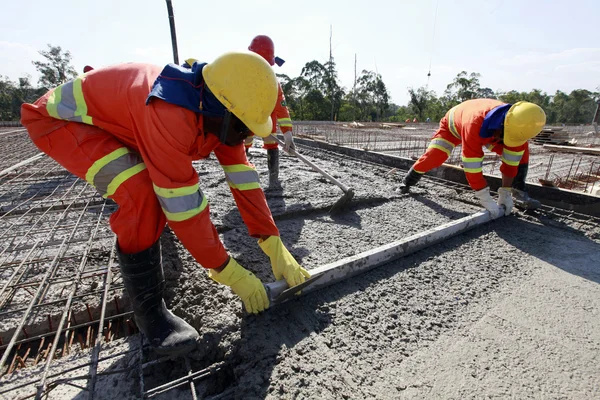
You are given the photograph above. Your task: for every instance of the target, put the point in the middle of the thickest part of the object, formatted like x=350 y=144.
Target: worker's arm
x=282 y=114
x=511 y=158
x=164 y=139
x=472 y=159
x=244 y=184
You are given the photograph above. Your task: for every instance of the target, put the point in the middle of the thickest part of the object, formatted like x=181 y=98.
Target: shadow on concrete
x=563 y=247
x=439 y=208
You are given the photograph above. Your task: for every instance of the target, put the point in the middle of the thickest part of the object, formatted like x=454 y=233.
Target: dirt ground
x=509 y=309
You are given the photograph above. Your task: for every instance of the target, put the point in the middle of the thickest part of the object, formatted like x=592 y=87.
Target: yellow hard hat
x=246 y=85
x=523 y=121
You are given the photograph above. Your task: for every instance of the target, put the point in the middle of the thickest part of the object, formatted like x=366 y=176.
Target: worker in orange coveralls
x=132 y=131
x=263 y=45
x=502 y=128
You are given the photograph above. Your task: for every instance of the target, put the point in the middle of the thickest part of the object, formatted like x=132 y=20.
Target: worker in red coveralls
x=263 y=45
x=502 y=128
x=132 y=131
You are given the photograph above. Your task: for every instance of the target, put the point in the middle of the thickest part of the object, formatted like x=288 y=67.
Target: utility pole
x=331 y=70
x=173 y=34
x=354 y=92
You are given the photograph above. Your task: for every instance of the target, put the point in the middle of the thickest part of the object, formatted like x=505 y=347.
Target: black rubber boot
x=520 y=196
x=145 y=283
x=410 y=179
x=273 y=163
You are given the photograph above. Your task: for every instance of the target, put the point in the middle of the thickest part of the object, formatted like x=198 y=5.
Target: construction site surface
x=509 y=309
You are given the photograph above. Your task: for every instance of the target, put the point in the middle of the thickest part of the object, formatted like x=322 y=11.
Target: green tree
x=419 y=101
x=56 y=69
x=464 y=87
x=14 y=94
x=7 y=88
x=372 y=97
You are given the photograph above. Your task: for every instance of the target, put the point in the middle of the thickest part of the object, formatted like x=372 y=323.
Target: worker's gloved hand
x=486 y=201
x=243 y=283
x=282 y=262
x=289 y=142
x=505 y=199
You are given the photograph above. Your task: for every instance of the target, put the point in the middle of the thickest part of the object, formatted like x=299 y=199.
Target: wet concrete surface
x=407 y=329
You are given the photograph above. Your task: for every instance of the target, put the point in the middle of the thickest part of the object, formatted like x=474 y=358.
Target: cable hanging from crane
x=432 y=42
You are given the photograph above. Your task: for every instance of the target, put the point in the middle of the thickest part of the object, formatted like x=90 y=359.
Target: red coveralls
x=281 y=116
x=99 y=128
x=461 y=126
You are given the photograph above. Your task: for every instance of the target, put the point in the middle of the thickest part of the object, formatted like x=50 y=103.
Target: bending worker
x=502 y=128
x=263 y=45
x=132 y=131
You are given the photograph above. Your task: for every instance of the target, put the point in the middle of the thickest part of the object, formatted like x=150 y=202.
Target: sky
x=514 y=44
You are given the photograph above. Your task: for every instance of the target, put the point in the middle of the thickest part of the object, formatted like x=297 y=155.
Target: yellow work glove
x=282 y=262
x=243 y=283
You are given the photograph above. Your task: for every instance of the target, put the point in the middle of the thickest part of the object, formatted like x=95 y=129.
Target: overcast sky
x=514 y=44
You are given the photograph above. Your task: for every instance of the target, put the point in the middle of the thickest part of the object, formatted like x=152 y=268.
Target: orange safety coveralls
x=281 y=116
x=99 y=128
x=461 y=126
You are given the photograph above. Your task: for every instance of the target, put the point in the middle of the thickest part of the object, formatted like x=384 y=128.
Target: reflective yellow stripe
x=472 y=164
x=122 y=177
x=182 y=216
x=241 y=177
x=512 y=158
x=245 y=186
x=67 y=102
x=176 y=192
x=442 y=144
x=451 y=124
x=437 y=146
x=52 y=104
x=81 y=110
x=237 y=168
x=284 y=121
x=97 y=166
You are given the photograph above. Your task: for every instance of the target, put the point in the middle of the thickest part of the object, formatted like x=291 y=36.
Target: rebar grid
x=51 y=220
x=15 y=146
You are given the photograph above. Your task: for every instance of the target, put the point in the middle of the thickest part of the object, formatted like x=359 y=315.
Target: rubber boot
x=520 y=196
x=145 y=283
x=273 y=163
x=410 y=179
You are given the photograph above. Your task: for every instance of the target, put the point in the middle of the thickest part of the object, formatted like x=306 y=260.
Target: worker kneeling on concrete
x=502 y=128
x=132 y=131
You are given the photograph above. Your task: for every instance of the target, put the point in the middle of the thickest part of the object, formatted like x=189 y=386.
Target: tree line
x=317 y=95
x=577 y=107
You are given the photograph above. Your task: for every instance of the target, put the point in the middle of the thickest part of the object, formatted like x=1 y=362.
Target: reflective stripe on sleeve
x=472 y=164
x=451 y=123
x=512 y=158
x=284 y=122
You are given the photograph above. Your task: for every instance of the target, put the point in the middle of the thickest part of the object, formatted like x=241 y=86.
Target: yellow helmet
x=246 y=85
x=523 y=121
